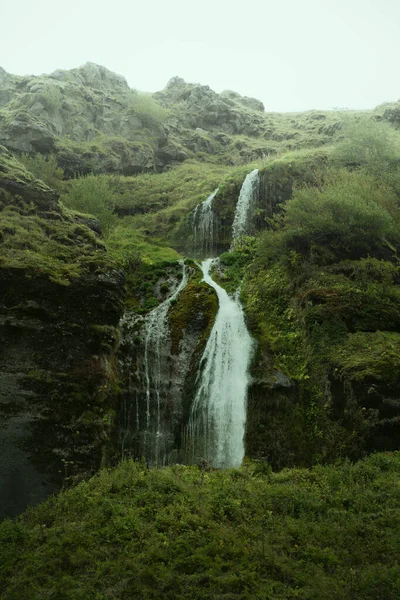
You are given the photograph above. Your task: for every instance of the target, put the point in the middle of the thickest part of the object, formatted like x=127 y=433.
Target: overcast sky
x=291 y=54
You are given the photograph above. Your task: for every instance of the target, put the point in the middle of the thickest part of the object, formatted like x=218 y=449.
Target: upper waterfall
x=218 y=414
x=247 y=198
x=204 y=226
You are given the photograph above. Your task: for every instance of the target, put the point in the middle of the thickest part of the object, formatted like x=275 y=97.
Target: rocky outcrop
x=60 y=303
x=251 y=103
x=93 y=122
x=205 y=109
x=88 y=116
x=159 y=368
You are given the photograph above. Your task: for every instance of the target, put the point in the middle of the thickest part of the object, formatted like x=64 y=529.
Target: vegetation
x=319 y=281
x=44 y=168
x=326 y=533
x=92 y=194
x=322 y=299
x=38 y=236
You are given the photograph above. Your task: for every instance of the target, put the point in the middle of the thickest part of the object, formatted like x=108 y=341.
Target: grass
x=38 y=235
x=60 y=250
x=319 y=534
x=127 y=241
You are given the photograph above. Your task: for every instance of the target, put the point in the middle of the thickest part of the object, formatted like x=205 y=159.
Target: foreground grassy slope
x=321 y=534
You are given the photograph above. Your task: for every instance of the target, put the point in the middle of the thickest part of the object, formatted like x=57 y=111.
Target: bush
x=350 y=216
x=92 y=194
x=45 y=169
x=373 y=145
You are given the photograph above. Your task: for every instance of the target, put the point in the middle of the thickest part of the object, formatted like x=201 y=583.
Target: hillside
x=105 y=317
x=94 y=123
x=326 y=533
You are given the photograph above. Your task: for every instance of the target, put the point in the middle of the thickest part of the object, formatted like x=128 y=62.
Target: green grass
x=126 y=242
x=38 y=235
x=369 y=355
x=320 y=534
x=60 y=250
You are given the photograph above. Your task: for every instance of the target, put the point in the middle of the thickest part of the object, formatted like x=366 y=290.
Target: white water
x=157 y=335
x=204 y=225
x=218 y=414
x=245 y=204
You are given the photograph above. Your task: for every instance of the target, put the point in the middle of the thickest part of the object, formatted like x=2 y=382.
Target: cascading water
x=247 y=199
x=218 y=413
x=156 y=340
x=204 y=226
x=152 y=377
x=159 y=388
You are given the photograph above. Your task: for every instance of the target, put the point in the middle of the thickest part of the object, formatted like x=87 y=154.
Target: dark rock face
x=58 y=338
x=158 y=380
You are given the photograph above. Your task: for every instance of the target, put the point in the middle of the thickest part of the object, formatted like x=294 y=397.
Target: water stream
x=245 y=205
x=216 y=426
x=157 y=339
x=204 y=227
x=218 y=414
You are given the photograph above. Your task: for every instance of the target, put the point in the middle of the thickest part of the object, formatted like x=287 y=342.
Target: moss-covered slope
x=323 y=300
x=177 y=533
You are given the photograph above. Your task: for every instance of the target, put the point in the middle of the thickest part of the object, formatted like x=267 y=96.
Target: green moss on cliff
x=196 y=308
x=322 y=299
x=40 y=237
x=371 y=356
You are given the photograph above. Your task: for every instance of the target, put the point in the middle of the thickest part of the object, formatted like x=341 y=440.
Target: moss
x=181 y=533
x=196 y=307
x=13 y=172
x=38 y=235
x=369 y=356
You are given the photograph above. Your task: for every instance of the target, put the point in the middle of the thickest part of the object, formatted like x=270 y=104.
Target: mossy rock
x=194 y=311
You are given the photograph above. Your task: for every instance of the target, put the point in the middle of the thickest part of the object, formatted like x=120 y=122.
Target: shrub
x=92 y=194
x=350 y=216
x=44 y=168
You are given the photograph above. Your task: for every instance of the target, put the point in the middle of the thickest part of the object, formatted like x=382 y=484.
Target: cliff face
x=160 y=352
x=60 y=302
x=93 y=122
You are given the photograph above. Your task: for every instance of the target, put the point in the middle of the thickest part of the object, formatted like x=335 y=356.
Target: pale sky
x=291 y=54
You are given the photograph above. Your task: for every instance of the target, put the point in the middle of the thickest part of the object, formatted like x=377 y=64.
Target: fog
x=292 y=55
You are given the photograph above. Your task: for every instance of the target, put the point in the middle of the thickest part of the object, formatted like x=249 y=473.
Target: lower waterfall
x=218 y=414
x=157 y=336
x=147 y=419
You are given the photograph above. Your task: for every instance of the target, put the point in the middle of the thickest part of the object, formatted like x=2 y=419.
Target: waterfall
x=218 y=414
x=246 y=202
x=156 y=352
x=204 y=226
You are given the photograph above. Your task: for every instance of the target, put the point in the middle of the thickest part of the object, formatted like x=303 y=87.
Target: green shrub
x=178 y=533
x=44 y=168
x=92 y=194
x=350 y=216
